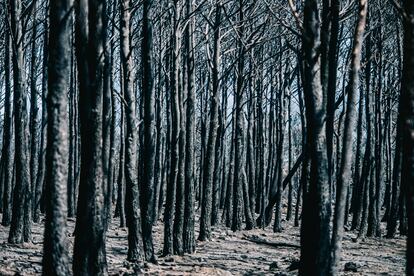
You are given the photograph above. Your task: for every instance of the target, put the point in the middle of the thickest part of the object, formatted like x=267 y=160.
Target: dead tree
x=21 y=212
x=132 y=205
x=407 y=116
x=350 y=118
x=7 y=157
x=315 y=229
x=189 y=212
x=175 y=131
x=208 y=170
x=55 y=246
x=89 y=249
x=148 y=163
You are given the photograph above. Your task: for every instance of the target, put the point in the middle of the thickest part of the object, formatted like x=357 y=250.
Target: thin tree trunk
x=43 y=141
x=208 y=164
x=346 y=159
x=189 y=216
x=107 y=117
x=396 y=173
x=132 y=205
x=34 y=109
x=175 y=134
x=120 y=201
x=21 y=218
x=7 y=151
x=147 y=166
x=290 y=185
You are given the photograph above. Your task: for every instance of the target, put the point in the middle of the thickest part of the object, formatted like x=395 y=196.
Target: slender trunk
x=239 y=148
x=357 y=189
x=332 y=64
x=34 y=109
x=71 y=198
x=43 y=141
x=147 y=166
x=107 y=117
x=132 y=205
x=175 y=134
x=7 y=151
x=21 y=218
x=346 y=159
x=189 y=216
x=208 y=164
x=290 y=185
x=120 y=201
x=365 y=180
x=396 y=173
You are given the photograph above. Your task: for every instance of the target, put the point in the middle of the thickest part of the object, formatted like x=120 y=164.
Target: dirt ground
x=227 y=253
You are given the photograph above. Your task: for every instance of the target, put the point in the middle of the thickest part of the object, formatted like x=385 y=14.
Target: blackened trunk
x=21 y=219
x=149 y=153
x=346 y=159
x=55 y=248
x=208 y=164
x=7 y=160
x=175 y=135
x=407 y=116
x=34 y=109
x=132 y=205
x=315 y=229
x=189 y=216
x=43 y=140
x=89 y=249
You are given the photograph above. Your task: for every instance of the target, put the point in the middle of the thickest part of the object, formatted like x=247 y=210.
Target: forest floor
x=228 y=253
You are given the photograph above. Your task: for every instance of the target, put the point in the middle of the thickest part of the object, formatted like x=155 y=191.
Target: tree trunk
x=132 y=205
x=89 y=249
x=55 y=248
x=120 y=200
x=189 y=215
x=407 y=117
x=7 y=159
x=315 y=229
x=147 y=166
x=208 y=164
x=346 y=159
x=396 y=173
x=107 y=117
x=175 y=134
x=34 y=109
x=43 y=141
x=21 y=218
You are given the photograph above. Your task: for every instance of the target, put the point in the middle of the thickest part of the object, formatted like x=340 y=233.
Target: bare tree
x=208 y=171
x=21 y=213
x=148 y=163
x=55 y=248
x=315 y=229
x=89 y=249
x=7 y=160
x=350 y=118
x=407 y=116
x=132 y=212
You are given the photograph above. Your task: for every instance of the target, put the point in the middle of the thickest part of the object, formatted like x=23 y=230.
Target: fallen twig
x=258 y=240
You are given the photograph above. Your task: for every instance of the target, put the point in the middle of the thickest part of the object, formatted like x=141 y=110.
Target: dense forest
x=147 y=131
